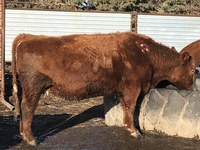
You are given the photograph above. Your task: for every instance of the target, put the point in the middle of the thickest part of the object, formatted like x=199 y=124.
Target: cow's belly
x=77 y=86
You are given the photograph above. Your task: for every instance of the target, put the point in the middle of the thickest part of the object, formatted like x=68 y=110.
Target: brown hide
x=93 y=65
x=194 y=50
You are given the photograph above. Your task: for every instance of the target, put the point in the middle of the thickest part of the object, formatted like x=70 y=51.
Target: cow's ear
x=185 y=56
x=173 y=48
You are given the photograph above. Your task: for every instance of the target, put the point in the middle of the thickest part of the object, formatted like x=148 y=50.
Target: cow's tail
x=14 y=78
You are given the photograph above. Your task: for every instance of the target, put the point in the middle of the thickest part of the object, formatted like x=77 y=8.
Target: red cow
x=194 y=50
x=97 y=64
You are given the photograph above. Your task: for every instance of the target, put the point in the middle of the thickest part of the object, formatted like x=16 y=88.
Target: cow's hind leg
x=28 y=106
x=32 y=88
x=128 y=103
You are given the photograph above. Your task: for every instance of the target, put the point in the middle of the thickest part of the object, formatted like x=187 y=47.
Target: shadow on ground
x=44 y=125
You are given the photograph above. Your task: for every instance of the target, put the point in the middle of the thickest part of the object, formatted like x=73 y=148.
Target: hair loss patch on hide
x=142 y=46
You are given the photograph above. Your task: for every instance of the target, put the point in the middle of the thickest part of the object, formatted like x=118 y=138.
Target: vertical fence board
x=2 y=45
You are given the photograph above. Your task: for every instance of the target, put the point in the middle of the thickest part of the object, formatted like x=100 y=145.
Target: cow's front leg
x=128 y=103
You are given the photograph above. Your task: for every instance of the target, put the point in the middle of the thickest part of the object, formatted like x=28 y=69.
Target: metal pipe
x=8 y=105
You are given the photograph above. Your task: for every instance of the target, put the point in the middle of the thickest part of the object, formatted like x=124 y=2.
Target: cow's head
x=183 y=74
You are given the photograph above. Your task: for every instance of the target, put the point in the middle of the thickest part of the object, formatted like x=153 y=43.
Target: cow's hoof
x=135 y=133
x=30 y=140
x=32 y=143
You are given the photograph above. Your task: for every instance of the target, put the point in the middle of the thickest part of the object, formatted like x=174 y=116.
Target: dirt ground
x=60 y=124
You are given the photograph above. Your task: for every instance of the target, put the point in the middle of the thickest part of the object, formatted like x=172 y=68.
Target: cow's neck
x=160 y=76
x=163 y=65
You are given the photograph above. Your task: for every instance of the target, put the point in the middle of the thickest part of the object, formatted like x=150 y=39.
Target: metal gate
x=2 y=55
